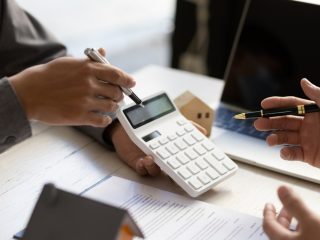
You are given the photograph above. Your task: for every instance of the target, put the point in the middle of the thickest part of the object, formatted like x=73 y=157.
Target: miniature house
x=194 y=109
x=60 y=215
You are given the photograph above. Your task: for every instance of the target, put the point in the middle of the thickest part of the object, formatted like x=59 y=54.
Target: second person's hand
x=300 y=135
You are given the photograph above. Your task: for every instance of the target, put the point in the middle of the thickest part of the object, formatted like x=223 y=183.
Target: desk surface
x=75 y=162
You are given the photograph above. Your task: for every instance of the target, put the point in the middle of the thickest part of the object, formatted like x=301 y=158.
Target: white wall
x=120 y=26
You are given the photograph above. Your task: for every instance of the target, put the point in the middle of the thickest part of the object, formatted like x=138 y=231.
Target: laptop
x=277 y=43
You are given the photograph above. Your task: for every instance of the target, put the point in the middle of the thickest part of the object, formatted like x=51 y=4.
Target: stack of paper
x=164 y=215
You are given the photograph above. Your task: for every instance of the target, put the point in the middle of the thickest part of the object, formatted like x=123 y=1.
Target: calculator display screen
x=153 y=109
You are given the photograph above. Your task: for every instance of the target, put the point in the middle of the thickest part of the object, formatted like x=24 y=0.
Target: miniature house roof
x=62 y=215
x=187 y=98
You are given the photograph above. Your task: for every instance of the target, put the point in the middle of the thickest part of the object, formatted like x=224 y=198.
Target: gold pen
x=297 y=111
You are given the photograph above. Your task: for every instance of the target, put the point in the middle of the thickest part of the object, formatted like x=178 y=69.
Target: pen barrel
x=255 y=114
x=299 y=110
x=311 y=108
x=280 y=112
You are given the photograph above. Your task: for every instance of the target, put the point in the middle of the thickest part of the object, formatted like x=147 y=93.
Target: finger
x=281 y=102
x=104 y=105
x=112 y=75
x=96 y=120
x=292 y=123
x=200 y=128
x=140 y=168
x=102 y=51
x=294 y=205
x=311 y=90
x=292 y=153
x=109 y=91
x=271 y=226
x=152 y=168
x=283 y=137
x=284 y=218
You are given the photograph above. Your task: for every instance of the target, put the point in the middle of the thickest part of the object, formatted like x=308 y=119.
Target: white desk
x=75 y=162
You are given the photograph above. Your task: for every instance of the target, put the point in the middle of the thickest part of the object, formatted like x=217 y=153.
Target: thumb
x=311 y=90
x=294 y=204
x=102 y=51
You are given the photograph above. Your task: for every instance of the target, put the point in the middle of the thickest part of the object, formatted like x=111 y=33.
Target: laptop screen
x=277 y=44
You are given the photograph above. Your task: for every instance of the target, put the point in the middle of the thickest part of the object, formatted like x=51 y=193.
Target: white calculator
x=193 y=161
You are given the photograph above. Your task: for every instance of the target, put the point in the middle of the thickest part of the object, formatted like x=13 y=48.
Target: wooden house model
x=194 y=109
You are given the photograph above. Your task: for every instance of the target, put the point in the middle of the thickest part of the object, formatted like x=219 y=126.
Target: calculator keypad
x=195 y=159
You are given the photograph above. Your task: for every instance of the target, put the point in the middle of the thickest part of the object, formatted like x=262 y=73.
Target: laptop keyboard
x=224 y=119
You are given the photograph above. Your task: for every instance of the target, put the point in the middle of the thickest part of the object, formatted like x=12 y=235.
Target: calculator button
x=154 y=145
x=181 y=144
x=189 y=128
x=212 y=173
x=181 y=122
x=184 y=173
x=182 y=158
x=197 y=136
x=200 y=150
x=163 y=141
x=204 y=178
x=216 y=165
x=181 y=132
x=208 y=145
x=195 y=183
x=174 y=164
x=229 y=164
x=163 y=153
x=193 y=168
x=189 y=140
x=191 y=154
x=218 y=155
x=172 y=137
x=201 y=164
x=172 y=149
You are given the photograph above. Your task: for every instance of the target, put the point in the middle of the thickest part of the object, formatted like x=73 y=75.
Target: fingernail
x=148 y=160
x=268 y=206
x=140 y=163
x=284 y=154
x=283 y=192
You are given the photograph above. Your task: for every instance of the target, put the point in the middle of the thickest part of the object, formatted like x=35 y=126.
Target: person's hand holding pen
x=300 y=134
x=69 y=91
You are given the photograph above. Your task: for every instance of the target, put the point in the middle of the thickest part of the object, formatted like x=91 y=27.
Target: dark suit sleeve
x=14 y=125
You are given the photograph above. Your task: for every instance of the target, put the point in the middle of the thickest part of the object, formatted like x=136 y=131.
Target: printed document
x=168 y=216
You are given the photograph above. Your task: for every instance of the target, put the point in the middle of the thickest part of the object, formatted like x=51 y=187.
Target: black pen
x=94 y=55
x=297 y=111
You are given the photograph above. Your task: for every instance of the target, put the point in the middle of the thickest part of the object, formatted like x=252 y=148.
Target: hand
x=302 y=133
x=277 y=227
x=70 y=91
x=131 y=154
x=127 y=151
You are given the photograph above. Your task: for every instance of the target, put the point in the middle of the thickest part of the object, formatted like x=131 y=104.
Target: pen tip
x=240 y=116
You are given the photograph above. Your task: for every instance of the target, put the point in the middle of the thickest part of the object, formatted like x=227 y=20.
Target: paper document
x=164 y=215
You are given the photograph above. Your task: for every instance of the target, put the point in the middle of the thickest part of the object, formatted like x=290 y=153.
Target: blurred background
x=134 y=33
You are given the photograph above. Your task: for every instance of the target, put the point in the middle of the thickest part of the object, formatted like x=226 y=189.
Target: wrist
x=17 y=85
x=111 y=132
